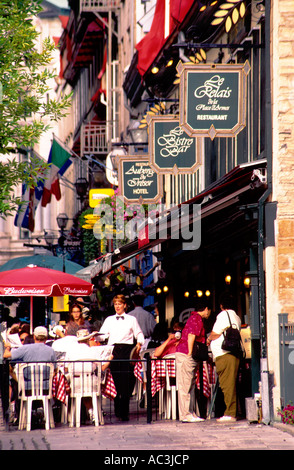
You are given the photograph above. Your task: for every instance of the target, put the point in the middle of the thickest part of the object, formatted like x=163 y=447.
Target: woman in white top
x=226 y=364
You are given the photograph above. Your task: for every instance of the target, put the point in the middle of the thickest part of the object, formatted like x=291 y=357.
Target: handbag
x=232 y=341
x=200 y=351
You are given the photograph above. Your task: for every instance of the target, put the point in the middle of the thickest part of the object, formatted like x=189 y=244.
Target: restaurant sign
x=138 y=181
x=172 y=150
x=213 y=99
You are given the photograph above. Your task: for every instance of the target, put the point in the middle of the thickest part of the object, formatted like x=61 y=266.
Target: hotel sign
x=213 y=99
x=172 y=150
x=138 y=181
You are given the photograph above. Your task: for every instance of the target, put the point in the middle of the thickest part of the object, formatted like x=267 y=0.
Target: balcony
x=94 y=139
x=99 y=5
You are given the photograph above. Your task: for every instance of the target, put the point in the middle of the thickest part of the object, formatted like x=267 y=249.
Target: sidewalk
x=163 y=436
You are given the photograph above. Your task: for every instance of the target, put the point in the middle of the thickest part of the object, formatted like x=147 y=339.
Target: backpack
x=232 y=341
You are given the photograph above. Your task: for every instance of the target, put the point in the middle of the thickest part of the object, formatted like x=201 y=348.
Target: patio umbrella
x=34 y=281
x=45 y=261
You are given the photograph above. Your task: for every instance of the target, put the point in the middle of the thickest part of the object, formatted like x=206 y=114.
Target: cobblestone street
x=158 y=436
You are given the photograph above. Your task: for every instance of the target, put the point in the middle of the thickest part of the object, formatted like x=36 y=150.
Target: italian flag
x=59 y=161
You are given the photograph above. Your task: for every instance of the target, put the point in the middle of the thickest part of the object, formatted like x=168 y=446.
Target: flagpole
x=167 y=19
x=31 y=314
x=78 y=156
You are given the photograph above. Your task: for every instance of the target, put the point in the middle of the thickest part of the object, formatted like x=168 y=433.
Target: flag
x=59 y=161
x=25 y=217
x=168 y=15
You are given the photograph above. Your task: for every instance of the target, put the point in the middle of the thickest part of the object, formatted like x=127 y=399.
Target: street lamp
x=62 y=220
x=139 y=136
x=49 y=238
x=81 y=185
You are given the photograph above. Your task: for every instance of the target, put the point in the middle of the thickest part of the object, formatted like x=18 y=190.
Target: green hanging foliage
x=90 y=243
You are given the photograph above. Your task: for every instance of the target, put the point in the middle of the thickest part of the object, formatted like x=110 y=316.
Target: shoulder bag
x=200 y=351
x=232 y=341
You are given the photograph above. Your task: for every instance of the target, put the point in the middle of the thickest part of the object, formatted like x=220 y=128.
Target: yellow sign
x=61 y=304
x=95 y=195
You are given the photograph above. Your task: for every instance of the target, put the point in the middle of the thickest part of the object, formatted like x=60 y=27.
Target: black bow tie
x=119 y=317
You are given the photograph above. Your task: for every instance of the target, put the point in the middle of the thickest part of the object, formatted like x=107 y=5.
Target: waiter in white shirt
x=121 y=330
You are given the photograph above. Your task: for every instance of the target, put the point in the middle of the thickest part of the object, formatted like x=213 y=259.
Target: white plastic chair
x=85 y=382
x=35 y=383
x=171 y=392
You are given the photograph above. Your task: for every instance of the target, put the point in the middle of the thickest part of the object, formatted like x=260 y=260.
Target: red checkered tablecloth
x=107 y=387
x=60 y=387
x=158 y=372
x=208 y=379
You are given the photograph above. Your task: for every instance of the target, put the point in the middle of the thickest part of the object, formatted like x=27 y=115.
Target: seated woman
x=76 y=320
x=169 y=346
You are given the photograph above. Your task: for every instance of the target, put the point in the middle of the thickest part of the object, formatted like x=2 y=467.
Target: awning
x=44 y=261
x=164 y=24
x=83 y=51
x=102 y=78
x=242 y=186
x=79 y=52
x=85 y=273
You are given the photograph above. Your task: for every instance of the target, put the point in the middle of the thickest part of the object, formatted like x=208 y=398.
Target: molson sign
x=172 y=150
x=213 y=99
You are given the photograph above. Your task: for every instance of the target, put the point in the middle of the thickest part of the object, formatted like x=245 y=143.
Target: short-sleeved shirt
x=194 y=326
x=36 y=352
x=222 y=322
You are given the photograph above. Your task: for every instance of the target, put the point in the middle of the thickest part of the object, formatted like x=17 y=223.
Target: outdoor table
x=158 y=375
x=60 y=387
x=107 y=386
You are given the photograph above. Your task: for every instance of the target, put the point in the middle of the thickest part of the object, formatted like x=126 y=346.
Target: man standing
x=185 y=364
x=226 y=364
x=145 y=319
x=121 y=330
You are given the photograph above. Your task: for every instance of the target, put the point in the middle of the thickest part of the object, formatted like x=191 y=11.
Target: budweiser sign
x=74 y=291
x=24 y=291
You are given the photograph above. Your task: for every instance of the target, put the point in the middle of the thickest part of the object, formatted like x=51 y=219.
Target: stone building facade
x=280 y=257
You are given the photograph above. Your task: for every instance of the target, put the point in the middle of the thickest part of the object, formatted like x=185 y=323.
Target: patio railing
x=154 y=394
x=142 y=405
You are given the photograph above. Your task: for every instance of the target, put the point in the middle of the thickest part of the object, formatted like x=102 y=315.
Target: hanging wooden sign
x=171 y=149
x=213 y=99
x=138 y=181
